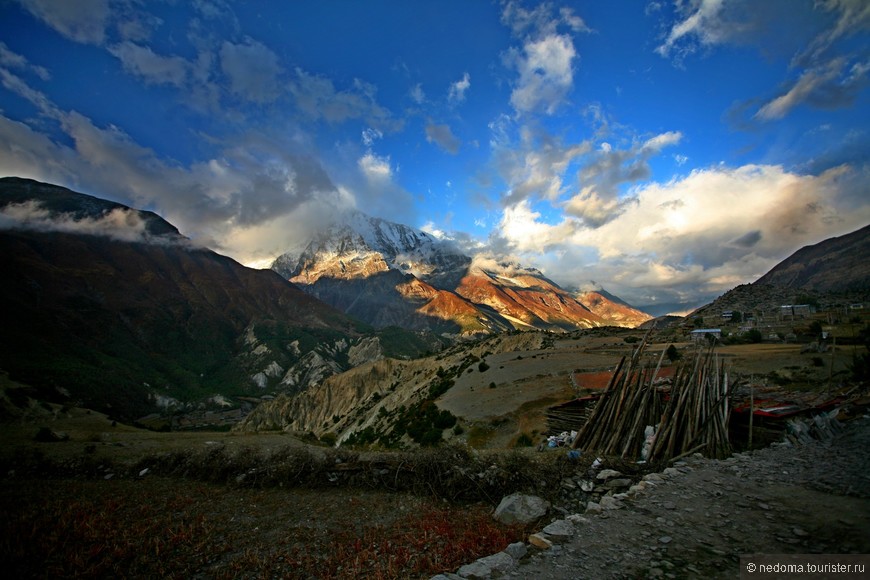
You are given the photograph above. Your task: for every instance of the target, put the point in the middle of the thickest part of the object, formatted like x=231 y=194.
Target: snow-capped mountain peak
x=360 y=245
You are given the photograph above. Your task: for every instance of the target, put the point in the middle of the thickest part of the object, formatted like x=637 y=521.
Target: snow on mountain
x=360 y=245
x=388 y=273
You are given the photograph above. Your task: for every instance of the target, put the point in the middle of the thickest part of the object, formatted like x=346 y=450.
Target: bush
x=524 y=440
x=482 y=367
x=754 y=336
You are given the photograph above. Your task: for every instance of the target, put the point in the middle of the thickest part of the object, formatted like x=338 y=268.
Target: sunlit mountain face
x=386 y=273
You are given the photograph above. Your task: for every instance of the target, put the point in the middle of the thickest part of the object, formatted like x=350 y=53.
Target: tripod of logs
x=690 y=417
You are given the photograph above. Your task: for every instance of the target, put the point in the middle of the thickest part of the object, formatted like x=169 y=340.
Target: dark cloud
x=253 y=70
x=748 y=239
x=442 y=136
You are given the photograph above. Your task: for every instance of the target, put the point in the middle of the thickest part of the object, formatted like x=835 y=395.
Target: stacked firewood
x=637 y=417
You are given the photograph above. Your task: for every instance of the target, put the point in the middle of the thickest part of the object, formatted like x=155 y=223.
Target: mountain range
x=390 y=274
x=832 y=273
x=112 y=308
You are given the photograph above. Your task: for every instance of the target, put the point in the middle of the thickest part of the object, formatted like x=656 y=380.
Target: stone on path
x=518 y=508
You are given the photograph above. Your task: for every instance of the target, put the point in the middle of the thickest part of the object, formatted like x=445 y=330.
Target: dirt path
x=701 y=516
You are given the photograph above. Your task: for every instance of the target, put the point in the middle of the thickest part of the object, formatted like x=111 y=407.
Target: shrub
x=754 y=336
x=524 y=440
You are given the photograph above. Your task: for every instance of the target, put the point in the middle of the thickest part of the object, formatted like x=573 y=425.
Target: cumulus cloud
x=253 y=70
x=375 y=168
x=250 y=200
x=546 y=73
x=521 y=230
x=533 y=166
x=598 y=200
x=83 y=21
x=694 y=237
x=442 y=136
x=545 y=64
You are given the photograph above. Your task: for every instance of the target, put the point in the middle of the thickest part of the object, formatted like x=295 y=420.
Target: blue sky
x=666 y=151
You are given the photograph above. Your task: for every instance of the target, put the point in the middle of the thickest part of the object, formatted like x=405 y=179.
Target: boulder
x=517 y=550
x=607 y=474
x=519 y=508
x=539 y=541
x=618 y=483
x=501 y=562
x=609 y=503
x=559 y=530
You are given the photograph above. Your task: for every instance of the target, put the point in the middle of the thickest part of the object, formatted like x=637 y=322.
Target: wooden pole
x=751 y=408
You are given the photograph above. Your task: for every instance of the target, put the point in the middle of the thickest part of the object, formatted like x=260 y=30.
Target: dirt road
x=701 y=516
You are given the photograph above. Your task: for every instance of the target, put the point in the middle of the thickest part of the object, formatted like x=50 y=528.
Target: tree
x=673 y=354
x=754 y=336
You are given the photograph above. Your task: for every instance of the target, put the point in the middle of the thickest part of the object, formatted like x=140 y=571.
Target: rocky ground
x=697 y=518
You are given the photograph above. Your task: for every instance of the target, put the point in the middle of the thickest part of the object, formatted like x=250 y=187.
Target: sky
x=665 y=151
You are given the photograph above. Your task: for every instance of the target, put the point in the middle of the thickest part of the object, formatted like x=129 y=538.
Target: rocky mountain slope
x=387 y=273
x=835 y=265
x=113 y=308
x=834 y=272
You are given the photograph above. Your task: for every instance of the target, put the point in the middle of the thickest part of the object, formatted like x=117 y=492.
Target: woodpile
x=639 y=417
x=570 y=416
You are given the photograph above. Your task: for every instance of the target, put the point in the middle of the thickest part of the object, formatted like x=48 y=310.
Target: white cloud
x=540 y=21
x=545 y=63
x=82 y=21
x=417 y=95
x=118 y=224
x=369 y=136
x=659 y=142
x=375 y=168
x=534 y=166
x=693 y=237
x=520 y=227
x=457 y=91
x=703 y=25
x=546 y=74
